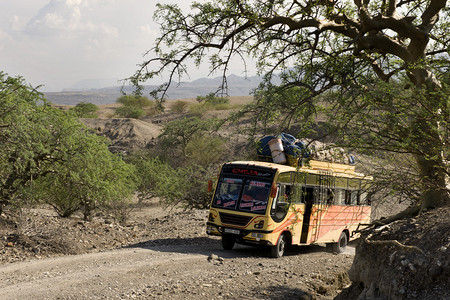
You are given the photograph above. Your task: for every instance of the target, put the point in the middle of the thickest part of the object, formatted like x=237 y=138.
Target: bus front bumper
x=243 y=236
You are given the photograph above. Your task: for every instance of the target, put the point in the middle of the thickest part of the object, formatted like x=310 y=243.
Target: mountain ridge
x=237 y=86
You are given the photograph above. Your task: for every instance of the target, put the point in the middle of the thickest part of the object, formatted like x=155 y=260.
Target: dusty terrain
x=166 y=254
x=159 y=254
x=131 y=134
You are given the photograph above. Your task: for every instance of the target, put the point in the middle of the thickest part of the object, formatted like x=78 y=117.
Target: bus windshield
x=227 y=193
x=245 y=195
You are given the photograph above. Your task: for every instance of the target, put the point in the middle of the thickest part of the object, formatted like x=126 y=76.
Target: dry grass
x=106 y=111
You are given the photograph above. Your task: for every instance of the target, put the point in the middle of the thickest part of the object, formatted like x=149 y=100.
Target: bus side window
x=282 y=197
x=287 y=193
x=330 y=196
x=292 y=194
x=308 y=194
x=354 y=197
x=280 y=205
x=339 y=197
x=350 y=197
x=362 y=198
x=296 y=194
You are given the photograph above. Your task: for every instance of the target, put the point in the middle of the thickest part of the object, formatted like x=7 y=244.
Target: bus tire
x=341 y=244
x=277 y=250
x=228 y=242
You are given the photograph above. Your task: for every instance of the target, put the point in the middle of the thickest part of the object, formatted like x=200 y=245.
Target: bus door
x=280 y=204
x=308 y=199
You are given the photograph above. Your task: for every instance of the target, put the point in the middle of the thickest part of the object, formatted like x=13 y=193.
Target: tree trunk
x=87 y=211
x=434 y=191
x=431 y=143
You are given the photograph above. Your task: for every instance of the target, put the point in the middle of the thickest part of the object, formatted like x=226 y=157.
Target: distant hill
x=237 y=86
x=92 y=84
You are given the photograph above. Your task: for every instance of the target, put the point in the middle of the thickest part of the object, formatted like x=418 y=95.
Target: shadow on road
x=207 y=246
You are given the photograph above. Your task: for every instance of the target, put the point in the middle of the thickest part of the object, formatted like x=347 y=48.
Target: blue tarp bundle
x=263 y=146
x=295 y=149
x=291 y=146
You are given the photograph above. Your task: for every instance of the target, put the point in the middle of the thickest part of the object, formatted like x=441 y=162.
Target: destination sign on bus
x=248 y=171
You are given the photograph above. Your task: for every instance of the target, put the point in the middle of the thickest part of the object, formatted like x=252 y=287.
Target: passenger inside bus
x=287 y=193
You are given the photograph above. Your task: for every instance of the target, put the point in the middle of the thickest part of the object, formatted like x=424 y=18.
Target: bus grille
x=234 y=219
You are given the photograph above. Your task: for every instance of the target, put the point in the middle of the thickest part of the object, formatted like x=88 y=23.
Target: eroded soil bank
x=420 y=269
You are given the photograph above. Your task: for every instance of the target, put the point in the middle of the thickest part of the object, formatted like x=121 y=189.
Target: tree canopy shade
x=47 y=154
x=346 y=48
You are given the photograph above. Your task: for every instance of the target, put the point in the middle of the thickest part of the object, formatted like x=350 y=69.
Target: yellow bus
x=261 y=203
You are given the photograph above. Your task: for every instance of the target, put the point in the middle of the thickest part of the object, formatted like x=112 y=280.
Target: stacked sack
x=286 y=149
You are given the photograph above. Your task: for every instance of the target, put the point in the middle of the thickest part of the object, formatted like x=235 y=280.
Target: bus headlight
x=259 y=225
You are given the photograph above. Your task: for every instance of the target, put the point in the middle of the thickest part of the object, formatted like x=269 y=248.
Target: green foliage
x=135 y=107
x=48 y=154
x=85 y=110
x=136 y=101
x=89 y=179
x=209 y=102
x=397 y=125
x=200 y=109
x=177 y=134
x=325 y=50
x=26 y=136
x=130 y=112
x=186 y=186
x=211 y=98
x=179 y=106
x=277 y=109
x=179 y=168
x=205 y=150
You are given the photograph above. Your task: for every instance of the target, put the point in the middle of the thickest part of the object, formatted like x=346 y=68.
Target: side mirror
x=210 y=186
x=273 y=191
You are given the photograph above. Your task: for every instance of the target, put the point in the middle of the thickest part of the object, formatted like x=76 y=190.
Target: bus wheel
x=277 y=250
x=341 y=244
x=228 y=242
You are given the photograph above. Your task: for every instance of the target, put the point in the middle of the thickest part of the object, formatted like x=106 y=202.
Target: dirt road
x=194 y=268
x=160 y=254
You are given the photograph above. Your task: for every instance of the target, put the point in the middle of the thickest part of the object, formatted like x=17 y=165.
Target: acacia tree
x=24 y=132
x=47 y=155
x=90 y=178
x=177 y=135
x=320 y=46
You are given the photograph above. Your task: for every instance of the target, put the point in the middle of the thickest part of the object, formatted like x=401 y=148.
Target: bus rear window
x=255 y=196
x=227 y=193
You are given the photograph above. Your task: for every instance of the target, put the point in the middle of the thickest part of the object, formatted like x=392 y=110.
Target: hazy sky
x=58 y=43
